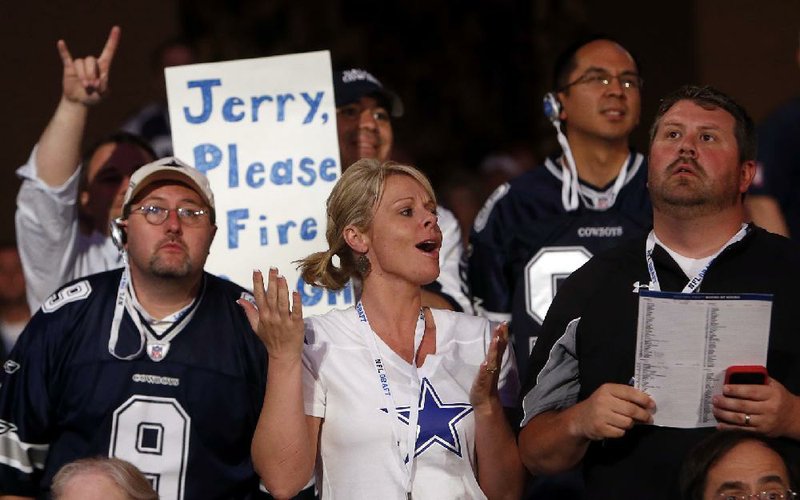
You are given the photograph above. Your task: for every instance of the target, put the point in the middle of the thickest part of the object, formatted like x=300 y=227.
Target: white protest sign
x=264 y=132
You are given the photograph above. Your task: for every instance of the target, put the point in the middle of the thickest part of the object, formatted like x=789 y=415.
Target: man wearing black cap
x=154 y=363
x=364 y=108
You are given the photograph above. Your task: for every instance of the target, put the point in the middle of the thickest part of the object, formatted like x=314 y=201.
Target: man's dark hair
x=115 y=138
x=565 y=62
x=710 y=450
x=708 y=97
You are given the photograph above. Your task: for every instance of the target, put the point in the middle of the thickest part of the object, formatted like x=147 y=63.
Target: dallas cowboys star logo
x=437 y=421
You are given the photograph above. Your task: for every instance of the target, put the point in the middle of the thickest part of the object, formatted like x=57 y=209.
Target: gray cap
x=168 y=169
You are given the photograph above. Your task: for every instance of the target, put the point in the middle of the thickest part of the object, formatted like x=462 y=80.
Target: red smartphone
x=746 y=374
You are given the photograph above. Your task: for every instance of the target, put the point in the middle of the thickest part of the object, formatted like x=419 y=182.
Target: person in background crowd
x=497 y=169
x=152 y=122
x=364 y=108
x=535 y=230
x=66 y=203
x=772 y=201
x=14 y=312
x=736 y=465
x=461 y=191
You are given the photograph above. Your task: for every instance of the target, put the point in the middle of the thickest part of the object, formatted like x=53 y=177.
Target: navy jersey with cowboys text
x=524 y=243
x=185 y=421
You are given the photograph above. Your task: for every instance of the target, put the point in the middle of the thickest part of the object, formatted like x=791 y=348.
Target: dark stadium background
x=471 y=73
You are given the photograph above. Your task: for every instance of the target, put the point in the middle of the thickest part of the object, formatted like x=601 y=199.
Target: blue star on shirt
x=437 y=421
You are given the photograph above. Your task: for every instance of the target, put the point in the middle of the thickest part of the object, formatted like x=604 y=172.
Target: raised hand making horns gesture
x=85 y=79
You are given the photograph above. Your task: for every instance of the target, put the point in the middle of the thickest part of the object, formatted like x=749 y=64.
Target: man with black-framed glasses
x=535 y=230
x=154 y=363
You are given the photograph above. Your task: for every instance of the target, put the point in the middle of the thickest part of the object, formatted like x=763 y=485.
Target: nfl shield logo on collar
x=157 y=351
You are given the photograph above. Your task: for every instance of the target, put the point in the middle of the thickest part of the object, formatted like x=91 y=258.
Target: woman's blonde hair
x=127 y=477
x=352 y=202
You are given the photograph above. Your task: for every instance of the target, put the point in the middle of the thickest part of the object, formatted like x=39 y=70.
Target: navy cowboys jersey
x=185 y=421
x=525 y=243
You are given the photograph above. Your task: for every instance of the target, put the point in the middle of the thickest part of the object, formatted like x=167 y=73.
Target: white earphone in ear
x=569 y=181
x=117 y=233
x=552 y=108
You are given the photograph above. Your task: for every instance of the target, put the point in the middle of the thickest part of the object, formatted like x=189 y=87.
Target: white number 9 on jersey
x=543 y=272
x=152 y=433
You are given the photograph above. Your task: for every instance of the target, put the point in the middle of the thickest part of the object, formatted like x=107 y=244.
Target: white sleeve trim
x=18 y=454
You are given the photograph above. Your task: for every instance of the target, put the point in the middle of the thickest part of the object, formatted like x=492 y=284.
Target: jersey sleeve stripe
x=18 y=454
x=557 y=385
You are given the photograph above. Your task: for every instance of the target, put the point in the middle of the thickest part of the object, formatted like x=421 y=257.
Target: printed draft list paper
x=684 y=343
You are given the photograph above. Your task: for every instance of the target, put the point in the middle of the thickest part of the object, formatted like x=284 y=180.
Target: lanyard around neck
x=571 y=189
x=157 y=348
x=407 y=459
x=697 y=279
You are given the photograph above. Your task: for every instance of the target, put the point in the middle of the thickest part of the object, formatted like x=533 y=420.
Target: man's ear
x=562 y=113
x=356 y=239
x=213 y=234
x=747 y=173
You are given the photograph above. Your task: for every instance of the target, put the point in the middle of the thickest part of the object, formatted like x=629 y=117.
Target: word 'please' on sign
x=305 y=171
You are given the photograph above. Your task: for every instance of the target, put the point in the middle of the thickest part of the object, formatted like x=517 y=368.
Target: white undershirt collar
x=689 y=265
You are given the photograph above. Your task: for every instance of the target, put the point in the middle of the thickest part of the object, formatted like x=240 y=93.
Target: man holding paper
x=579 y=402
